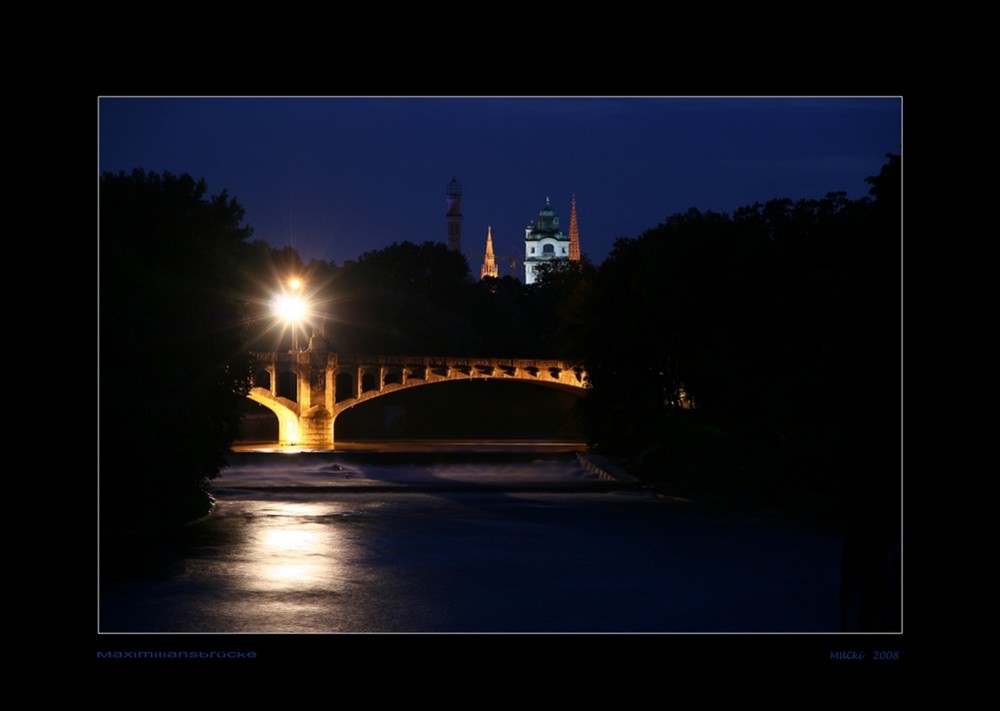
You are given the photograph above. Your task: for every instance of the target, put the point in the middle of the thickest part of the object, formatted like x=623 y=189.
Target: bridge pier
x=316 y=428
x=305 y=416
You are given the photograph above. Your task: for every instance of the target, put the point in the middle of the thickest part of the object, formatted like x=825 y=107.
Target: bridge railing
x=423 y=368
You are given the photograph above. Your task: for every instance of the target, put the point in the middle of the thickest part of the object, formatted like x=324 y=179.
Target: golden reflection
x=291 y=548
x=290 y=573
x=290 y=540
x=292 y=509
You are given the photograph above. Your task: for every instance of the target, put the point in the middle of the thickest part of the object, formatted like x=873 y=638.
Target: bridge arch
x=285 y=410
x=288 y=385
x=310 y=389
x=262 y=379
x=344 y=386
x=471 y=409
x=369 y=381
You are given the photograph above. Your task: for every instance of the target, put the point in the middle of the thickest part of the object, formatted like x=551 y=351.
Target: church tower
x=489 y=262
x=543 y=242
x=574 y=234
x=453 y=218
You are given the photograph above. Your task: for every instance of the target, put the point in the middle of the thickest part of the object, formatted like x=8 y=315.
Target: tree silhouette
x=781 y=323
x=173 y=355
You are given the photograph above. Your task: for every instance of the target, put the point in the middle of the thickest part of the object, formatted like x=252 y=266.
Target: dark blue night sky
x=335 y=177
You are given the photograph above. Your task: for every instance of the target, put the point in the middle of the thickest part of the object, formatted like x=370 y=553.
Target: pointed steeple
x=489 y=263
x=574 y=234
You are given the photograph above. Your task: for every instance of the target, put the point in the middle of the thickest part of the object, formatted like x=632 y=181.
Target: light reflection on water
x=292 y=553
x=291 y=549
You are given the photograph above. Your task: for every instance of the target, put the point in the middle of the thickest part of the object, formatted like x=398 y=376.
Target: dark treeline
x=730 y=355
x=741 y=355
x=173 y=324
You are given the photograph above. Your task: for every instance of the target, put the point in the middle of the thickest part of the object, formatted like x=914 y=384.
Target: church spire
x=489 y=263
x=574 y=234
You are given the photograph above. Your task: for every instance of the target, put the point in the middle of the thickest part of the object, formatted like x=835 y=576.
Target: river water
x=356 y=542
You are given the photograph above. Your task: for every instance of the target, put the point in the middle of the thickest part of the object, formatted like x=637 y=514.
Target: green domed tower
x=543 y=242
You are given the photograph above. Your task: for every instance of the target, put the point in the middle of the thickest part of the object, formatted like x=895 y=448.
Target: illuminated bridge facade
x=308 y=390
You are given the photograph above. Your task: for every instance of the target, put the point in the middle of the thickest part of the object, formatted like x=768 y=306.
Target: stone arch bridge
x=307 y=390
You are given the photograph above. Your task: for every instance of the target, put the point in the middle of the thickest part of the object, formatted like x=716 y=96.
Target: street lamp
x=291 y=307
x=297 y=309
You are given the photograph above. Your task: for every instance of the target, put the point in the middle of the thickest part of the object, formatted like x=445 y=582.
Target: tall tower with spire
x=453 y=218
x=543 y=242
x=489 y=262
x=574 y=233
